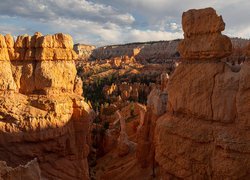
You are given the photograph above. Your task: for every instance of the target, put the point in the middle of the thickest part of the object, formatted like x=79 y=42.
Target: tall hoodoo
x=42 y=115
x=202 y=35
x=205 y=133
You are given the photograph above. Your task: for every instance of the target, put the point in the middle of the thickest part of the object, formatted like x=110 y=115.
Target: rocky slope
x=205 y=133
x=42 y=114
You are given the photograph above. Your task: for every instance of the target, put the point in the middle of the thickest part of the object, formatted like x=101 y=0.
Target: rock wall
x=205 y=132
x=42 y=114
x=163 y=50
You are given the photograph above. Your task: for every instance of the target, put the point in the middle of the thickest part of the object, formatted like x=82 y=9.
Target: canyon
x=194 y=125
x=157 y=110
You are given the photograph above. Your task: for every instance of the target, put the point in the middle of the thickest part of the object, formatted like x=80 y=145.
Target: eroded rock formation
x=124 y=144
x=205 y=132
x=42 y=114
x=156 y=106
x=203 y=41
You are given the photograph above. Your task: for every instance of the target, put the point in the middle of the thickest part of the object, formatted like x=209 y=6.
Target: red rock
x=124 y=144
x=9 y=41
x=55 y=41
x=55 y=76
x=2 y=42
x=205 y=132
x=22 y=41
x=156 y=106
x=203 y=40
x=42 y=114
x=78 y=86
x=30 y=171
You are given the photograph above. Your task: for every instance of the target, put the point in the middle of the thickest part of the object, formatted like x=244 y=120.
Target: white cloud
x=150 y=35
x=110 y=33
x=71 y=9
x=235 y=12
x=173 y=26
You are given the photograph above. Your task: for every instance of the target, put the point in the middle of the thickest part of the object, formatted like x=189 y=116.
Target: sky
x=103 y=22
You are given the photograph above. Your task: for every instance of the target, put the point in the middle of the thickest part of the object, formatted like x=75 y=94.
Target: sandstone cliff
x=205 y=133
x=42 y=113
x=161 y=50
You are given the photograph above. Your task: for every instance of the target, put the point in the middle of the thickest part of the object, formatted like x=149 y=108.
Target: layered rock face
x=42 y=114
x=205 y=133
